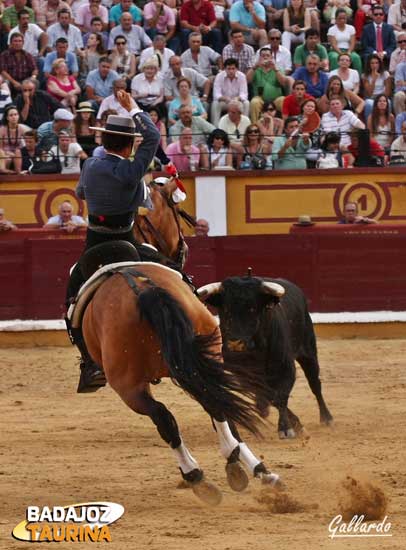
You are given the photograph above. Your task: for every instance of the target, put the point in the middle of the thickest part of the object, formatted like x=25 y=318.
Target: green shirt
x=10 y=16
x=269 y=82
x=302 y=52
x=294 y=157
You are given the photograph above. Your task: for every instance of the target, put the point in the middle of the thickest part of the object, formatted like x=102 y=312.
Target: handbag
x=51 y=166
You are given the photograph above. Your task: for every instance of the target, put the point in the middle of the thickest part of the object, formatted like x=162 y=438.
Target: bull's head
x=241 y=303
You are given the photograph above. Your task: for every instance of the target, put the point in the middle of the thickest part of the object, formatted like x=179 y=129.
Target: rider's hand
x=126 y=101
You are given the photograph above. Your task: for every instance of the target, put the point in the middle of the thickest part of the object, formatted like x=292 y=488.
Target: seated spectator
x=249 y=17
x=335 y=87
x=229 y=84
x=10 y=15
x=399 y=55
x=296 y=21
x=86 y=12
x=5 y=96
x=330 y=155
x=381 y=122
x=64 y=28
x=234 y=123
x=375 y=81
x=161 y=19
x=185 y=98
x=6 y=225
x=96 y=27
x=48 y=131
x=315 y=78
x=292 y=103
x=378 y=37
x=400 y=89
x=46 y=11
x=147 y=88
x=201 y=129
x=254 y=151
x=123 y=61
x=200 y=58
x=35 y=39
x=399 y=120
x=341 y=38
x=85 y=120
x=62 y=86
x=90 y=56
x=269 y=124
x=183 y=154
x=349 y=77
x=398 y=147
x=332 y=10
x=157 y=120
x=16 y=64
x=136 y=37
x=219 y=151
x=311 y=45
x=237 y=49
x=351 y=215
x=160 y=51
x=61 y=52
x=202 y=228
x=69 y=152
x=363 y=13
x=11 y=138
x=176 y=71
x=124 y=6
x=267 y=83
x=289 y=150
x=365 y=152
x=65 y=220
x=35 y=106
x=111 y=103
x=340 y=121
x=282 y=56
x=397 y=16
x=309 y=121
x=99 y=82
x=30 y=153
x=199 y=16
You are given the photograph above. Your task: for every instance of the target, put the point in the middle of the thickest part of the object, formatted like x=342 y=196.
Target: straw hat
x=304 y=220
x=120 y=125
x=85 y=107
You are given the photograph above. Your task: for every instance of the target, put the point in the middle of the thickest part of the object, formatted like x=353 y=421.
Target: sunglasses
x=121 y=43
x=275 y=38
x=401 y=41
x=253 y=131
x=378 y=14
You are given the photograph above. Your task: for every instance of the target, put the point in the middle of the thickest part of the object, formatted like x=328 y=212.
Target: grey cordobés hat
x=116 y=124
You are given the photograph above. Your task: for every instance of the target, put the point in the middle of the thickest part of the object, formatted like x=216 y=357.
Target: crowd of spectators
x=243 y=84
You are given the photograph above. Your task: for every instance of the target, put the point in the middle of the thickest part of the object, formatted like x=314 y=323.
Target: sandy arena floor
x=61 y=448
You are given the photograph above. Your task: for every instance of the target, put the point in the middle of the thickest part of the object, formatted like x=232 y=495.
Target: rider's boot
x=91 y=375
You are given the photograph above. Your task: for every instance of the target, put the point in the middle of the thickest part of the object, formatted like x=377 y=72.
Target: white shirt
x=73 y=36
x=235 y=134
x=352 y=81
x=70 y=161
x=283 y=58
x=31 y=37
x=344 y=126
x=137 y=39
x=235 y=88
x=164 y=56
x=110 y=103
x=154 y=89
x=205 y=59
x=343 y=38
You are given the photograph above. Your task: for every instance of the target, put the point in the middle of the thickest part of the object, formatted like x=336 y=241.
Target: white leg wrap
x=248 y=458
x=226 y=439
x=186 y=461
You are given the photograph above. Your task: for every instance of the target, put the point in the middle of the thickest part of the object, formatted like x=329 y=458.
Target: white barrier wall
x=211 y=203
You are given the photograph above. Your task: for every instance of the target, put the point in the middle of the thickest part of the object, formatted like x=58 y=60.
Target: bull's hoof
x=207 y=492
x=287 y=434
x=236 y=477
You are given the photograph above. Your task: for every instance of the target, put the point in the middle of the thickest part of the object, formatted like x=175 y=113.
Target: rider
x=113 y=189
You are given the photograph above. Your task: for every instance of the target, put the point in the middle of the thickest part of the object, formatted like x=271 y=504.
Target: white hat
x=121 y=125
x=63 y=114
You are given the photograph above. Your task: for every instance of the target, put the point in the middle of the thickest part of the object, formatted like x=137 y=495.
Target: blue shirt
x=116 y=12
x=400 y=74
x=47 y=137
x=70 y=59
x=102 y=88
x=238 y=14
x=316 y=90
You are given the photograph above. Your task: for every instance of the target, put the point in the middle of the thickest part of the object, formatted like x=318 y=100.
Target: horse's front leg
x=236 y=452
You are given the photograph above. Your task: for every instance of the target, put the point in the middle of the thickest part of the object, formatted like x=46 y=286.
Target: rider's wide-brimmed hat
x=118 y=124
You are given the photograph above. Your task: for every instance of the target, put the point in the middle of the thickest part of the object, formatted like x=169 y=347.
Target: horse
x=144 y=323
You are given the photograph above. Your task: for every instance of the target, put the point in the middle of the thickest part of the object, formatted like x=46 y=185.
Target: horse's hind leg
x=310 y=366
x=235 y=451
x=142 y=402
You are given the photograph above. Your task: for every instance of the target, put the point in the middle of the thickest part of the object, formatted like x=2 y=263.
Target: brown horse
x=143 y=324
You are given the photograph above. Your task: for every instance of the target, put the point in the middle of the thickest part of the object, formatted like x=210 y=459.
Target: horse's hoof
x=207 y=492
x=288 y=434
x=236 y=477
x=327 y=421
x=272 y=480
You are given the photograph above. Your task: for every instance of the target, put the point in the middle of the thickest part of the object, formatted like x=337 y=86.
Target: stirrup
x=91 y=378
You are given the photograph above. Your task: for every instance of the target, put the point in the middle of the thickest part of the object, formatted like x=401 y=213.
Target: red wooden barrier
x=338 y=270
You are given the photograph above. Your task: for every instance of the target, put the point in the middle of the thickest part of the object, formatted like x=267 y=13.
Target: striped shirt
x=343 y=126
x=245 y=56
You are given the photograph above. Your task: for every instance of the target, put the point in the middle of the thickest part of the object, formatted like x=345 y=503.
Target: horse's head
x=161 y=226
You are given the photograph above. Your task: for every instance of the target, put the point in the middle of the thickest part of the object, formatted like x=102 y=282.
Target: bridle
x=181 y=249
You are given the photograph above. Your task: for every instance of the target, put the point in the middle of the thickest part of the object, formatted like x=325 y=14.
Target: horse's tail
x=192 y=363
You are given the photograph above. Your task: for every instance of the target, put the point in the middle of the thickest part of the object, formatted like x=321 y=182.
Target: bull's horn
x=207 y=290
x=273 y=288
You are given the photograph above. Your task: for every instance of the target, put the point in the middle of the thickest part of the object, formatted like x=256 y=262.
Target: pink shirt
x=85 y=16
x=164 y=21
x=181 y=160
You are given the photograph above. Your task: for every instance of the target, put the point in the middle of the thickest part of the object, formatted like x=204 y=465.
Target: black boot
x=91 y=376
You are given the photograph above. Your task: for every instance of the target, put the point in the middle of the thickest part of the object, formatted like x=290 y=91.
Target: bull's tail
x=192 y=363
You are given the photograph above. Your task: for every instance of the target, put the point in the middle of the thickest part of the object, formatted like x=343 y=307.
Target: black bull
x=266 y=326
